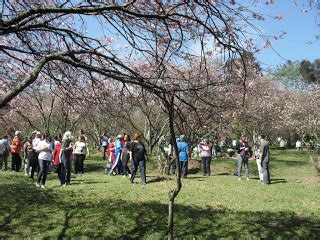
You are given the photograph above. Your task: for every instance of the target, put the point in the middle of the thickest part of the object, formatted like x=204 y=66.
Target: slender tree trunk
x=174 y=192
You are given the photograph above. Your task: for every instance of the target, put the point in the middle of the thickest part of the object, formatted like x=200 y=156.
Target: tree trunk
x=174 y=192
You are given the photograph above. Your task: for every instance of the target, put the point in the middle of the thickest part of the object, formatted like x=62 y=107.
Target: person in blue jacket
x=184 y=156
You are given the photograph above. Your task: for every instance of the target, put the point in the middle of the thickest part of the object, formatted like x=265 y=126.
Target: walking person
x=4 y=152
x=27 y=152
x=184 y=156
x=243 y=156
x=205 y=150
x=66 y=152
x=80 y=151
x=137 y=155
x=15 y=149
x=265 y=158
x=45 y=150
x=125 y=155
x=33 y=161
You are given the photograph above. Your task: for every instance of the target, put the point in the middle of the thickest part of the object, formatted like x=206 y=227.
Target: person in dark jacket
x=243 y=156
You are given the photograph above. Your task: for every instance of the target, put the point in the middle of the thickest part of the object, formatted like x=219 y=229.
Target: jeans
x=206 y=165
x=104 y=152
x=16 y=162
x=65 y=169
x=27 y=164
x=260 y=171
x=134 y=169
x=78 y=163
x=125 y=167
x=3 y=161
x=184 y=168
x=33 y=163
x=266 y=172
x=43 y=171
x=241 y=161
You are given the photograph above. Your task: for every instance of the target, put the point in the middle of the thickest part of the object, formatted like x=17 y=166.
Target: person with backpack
x=4 y=152
x=45 y=149
x=205 y=150
x=137 y=156
x=80 y=151
x=184 y=156
x=15 y=150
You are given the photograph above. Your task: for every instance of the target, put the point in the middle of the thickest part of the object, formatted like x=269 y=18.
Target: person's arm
x=88 y=153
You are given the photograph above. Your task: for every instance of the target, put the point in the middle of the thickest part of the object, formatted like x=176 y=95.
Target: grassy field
x=219 y=206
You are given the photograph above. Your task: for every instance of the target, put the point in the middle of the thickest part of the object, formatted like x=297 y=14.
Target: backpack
x=3 y=148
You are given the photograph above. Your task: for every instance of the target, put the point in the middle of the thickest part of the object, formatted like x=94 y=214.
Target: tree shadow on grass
x=31 y=212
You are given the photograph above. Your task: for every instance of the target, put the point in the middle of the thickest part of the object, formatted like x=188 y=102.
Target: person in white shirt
x=80 y=150
x=33 y=161
x=298 y=145
x=45 y=149
x=4 y=152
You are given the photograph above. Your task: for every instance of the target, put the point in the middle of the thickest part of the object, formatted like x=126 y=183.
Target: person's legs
x=204 y=165
x=134 y=167
x=208 y=170
x=1 y=161
x=68 y=170
x=81 y=162
x=125 y=165
x=240 y=161
x=5 y=161
x=184 y=168
x=41 y=171
x=13 y=162
x=105 y=148
x=246 y=165
x=76 y=163
x=266 y=173
x=46 y=165
x=142 y=166
x=63 y=171
x=173 y=165
x=19 y=162
x=260 y=170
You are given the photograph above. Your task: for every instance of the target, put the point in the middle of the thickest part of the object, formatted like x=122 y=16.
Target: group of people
x=43 y=152
x=119 y=151
x=207 y=150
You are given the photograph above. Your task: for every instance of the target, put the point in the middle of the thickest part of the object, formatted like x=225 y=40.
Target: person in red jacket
x=56 y=155
x=15 y=149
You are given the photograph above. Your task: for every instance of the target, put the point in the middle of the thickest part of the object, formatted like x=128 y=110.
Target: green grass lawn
x=219 y=206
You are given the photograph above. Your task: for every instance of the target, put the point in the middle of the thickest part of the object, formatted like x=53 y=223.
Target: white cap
x=17 y=133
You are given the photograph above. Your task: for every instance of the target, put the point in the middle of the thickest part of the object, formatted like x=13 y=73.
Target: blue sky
x=300 y=27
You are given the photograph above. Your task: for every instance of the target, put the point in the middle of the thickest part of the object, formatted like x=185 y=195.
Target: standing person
x=104 y=144
x=66 y=152
x=257 y=155
x=45 y=150
x=125 y=155
x=243 y=156
x=34 y=154
x=265 y=158
x=184 y=156
x=205 y=150
x=117 y=152
x=27 y=152
x=282 y=144
x=298 y=145
x=4 y=152
x=15 y=152
x=80 y=151
x=137 y=153
x=56 y=155
x=110 y=157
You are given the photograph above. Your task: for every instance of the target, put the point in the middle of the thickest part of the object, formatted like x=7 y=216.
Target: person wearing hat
x=117 y=152
x=15 y=150
x=184 y=156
